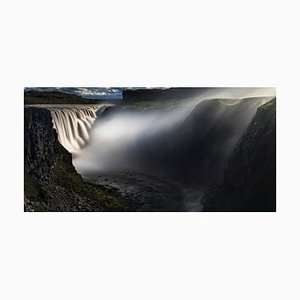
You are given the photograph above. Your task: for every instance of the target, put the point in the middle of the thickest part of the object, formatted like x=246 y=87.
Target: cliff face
x=204 y=140
x=51 y=182
x=250 y=175
x=195 y=150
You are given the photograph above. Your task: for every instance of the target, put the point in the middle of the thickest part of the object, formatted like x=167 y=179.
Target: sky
x=86 y=92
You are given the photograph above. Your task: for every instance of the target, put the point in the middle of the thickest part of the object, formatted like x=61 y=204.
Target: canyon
x=194 y=155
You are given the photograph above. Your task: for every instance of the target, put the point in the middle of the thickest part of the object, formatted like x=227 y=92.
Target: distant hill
x=34 y=97
x=132 y=96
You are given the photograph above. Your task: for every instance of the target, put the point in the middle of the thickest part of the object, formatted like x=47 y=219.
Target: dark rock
x=51 y=181
x=136 y=95
x=250 y=175
x=195 y=151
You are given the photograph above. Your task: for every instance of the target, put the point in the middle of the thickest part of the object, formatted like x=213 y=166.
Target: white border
x=149 y=256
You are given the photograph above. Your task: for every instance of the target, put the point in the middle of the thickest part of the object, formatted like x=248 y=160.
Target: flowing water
x=107 y=150
x=90 y=140
x=73 y=125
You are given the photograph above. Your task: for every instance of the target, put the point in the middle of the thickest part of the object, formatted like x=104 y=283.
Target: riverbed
x=151 y=193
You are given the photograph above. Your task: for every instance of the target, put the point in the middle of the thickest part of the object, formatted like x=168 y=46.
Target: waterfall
x=73 y=124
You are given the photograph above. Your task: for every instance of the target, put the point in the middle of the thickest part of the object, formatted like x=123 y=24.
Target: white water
x=114 y=137
x=73 y=124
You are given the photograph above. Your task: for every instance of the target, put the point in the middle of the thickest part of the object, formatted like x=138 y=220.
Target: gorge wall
x=249 y=182
x=51 y=182
x=195 y=149
x=226 y=145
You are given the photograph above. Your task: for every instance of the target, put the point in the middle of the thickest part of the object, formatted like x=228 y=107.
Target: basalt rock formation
x=249 y=182
x=51 y=181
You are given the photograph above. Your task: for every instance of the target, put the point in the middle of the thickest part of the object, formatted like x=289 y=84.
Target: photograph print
x=140 y=149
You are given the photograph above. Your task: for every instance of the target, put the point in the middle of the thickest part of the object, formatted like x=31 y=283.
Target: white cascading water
x=73 y=124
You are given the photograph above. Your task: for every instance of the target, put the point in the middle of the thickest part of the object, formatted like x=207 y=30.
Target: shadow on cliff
x=185 y=144
x=249 y=182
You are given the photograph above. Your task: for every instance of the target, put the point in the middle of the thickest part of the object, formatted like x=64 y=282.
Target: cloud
x=85 y=92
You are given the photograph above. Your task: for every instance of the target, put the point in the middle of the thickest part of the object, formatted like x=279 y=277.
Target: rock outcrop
x=250 y=175
x=51 y=181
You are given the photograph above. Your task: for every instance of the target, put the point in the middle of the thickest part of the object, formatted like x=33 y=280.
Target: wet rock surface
x=152 y=193
x=249 y=182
